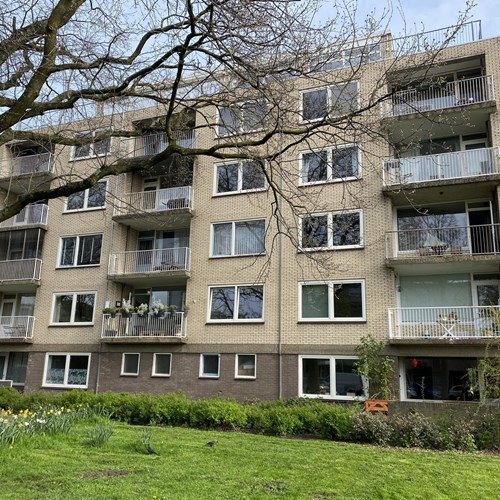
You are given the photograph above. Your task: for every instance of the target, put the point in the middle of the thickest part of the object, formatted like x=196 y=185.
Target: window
x=327 y=165
x=236 y=303
x=210 y=365
x=329 y=377
x=337 y=100
x=89 y=149
x=66 y=370
x=162 y=364
x=331 y=231
x=130 y=363
x=239 y=177
x=332 y=301
x=73 y=308
x=80 y=250
x=238 y=238
x=241 y=118
x=90 y=199
x=245 y=366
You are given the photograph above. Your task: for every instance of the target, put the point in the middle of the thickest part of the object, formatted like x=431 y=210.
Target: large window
x=67 y=370
x=80 y=250
x=439 y=378
x=331 y=230
x=21 y=244
x=329 y=377
x=130 y=363
x=239 y=177
x=89 y=148
x=241 y=118
x=210 y=365
x=337 y=100
x=238 y=238
x=245 y=366
x=90 y=199
x=162 y=364
x=329 y=164
x=236 y=303
x=73 y=308
x=340 y=301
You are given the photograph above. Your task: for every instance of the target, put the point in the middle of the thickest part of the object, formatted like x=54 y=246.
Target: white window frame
x=123 y=373
x=154 y=373
x=238 y=106
x=235 y=318
x=329 y=100
x=329 y=170
x=66 y=369
x=77 y=251
x=73 y=309
x=240 y=189
x=330 y=216
x=248 y=377
x=85 y=207
x=331 y=292
x=233 y=238
x=333 y=380
x=91 y=145
x=204 y=375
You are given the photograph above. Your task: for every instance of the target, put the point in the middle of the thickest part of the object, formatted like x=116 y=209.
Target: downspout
x=280 y=286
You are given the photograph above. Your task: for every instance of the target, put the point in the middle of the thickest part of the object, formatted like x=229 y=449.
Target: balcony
x=468 y=164
x=148 y=328
x=16 y=328
x=153 y=144
x=462 y=323
x=29 y=215
x=29 y=165
x=137 y=266
x=20 y=270
x=148 y=209
x=441 y=96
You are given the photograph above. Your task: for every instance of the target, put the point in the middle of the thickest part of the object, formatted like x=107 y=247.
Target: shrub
x=217 y=413
x=371 y=428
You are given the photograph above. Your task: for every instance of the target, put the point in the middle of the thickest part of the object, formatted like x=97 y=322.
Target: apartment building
x=201 y=293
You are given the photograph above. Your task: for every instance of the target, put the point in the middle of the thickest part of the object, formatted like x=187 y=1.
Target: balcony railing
x=461 y=322
x=32 y=164
x=148 y=145
x=16 y=327
x=443 y=96
x=161 y=200
x=22 y=269
x=436 y=242
x=150 y=261
x=169 y=325
x=31 y=214
x=457 y=165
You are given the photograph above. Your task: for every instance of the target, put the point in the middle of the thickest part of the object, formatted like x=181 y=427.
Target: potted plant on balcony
x=157 y=309
x=127 y=309
x=171 y=309
x=142 y=310
x=110 y=310
x=377 y=372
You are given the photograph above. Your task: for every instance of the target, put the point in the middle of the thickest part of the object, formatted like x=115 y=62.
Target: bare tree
x=229 y=68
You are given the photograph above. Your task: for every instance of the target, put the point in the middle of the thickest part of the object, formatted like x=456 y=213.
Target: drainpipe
x=280 y=286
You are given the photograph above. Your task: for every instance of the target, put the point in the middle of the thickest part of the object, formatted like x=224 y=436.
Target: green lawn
x=240 y=466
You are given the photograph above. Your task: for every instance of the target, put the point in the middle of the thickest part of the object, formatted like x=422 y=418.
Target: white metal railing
x=459 y=322
x=22 y=269
x=150 y=261
x=435 y=242
x=28 y=165
x=432 y=40
x=31 y=214
x=434 y=96
x=460 y=164
x=16 y=327
x=148 y=325
x=152 y=144
x=161 y=200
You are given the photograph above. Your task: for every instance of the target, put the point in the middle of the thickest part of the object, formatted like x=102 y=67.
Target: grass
x=240 y=466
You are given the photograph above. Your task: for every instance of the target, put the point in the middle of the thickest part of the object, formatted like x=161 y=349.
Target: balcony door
x=7 y=307
x=144 y=256
x=482 y=237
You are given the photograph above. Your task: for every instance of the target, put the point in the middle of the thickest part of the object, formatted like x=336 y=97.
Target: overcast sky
x=432 y=14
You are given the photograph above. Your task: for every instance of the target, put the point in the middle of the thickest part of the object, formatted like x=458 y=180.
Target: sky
x=426 y=15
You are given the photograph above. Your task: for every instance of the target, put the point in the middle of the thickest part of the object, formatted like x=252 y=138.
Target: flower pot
x=125 y=314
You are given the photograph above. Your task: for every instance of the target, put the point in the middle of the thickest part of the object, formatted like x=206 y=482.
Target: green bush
x=217 y=413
